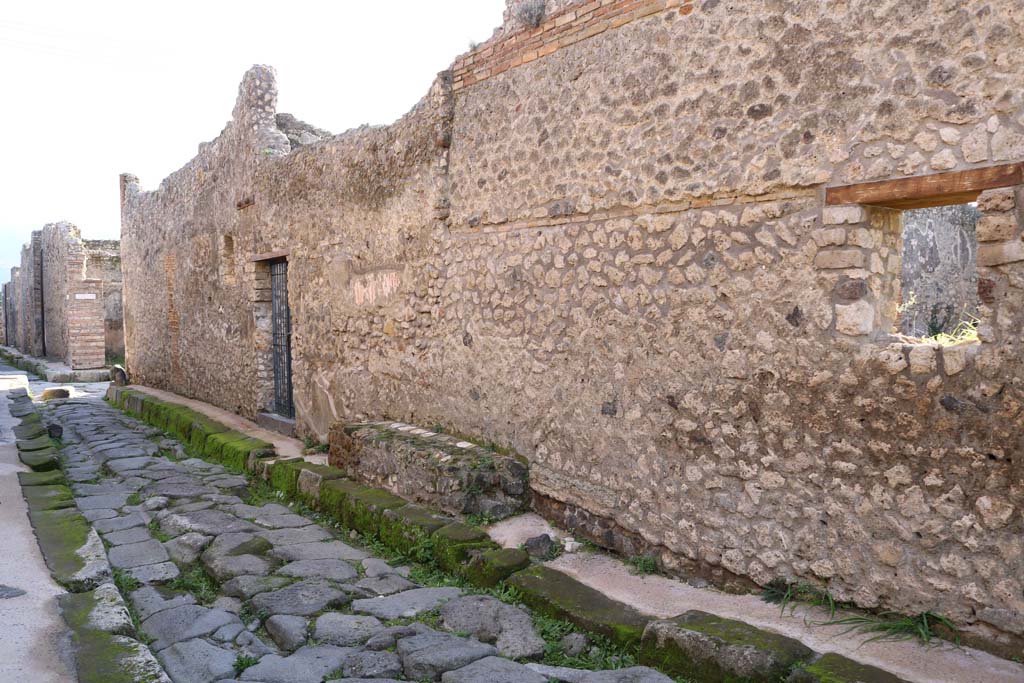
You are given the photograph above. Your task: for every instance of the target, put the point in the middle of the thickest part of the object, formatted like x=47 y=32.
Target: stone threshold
x=53 y=371
x=672 y=625
x=661 y=597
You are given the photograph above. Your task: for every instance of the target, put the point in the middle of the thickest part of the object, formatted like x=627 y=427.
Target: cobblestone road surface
x=227 y=587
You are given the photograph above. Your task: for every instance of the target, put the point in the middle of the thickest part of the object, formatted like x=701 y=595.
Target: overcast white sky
x=93 y=89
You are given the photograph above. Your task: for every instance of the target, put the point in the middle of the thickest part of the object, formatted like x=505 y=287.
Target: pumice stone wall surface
x=655 y=248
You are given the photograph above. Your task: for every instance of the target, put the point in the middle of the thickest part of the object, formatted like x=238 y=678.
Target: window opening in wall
x=939 y=275
x=227 y=259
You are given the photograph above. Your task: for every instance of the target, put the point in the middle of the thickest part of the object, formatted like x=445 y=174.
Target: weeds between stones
x=885 y=626
x=134 y=499
x=642 y=564
x=315 y=446
x=243 y=662
x=158 y=534
x=895 y=626
x=125 y=582
x=194 y=580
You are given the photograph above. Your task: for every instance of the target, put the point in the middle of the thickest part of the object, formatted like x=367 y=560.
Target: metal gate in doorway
x=281 y=321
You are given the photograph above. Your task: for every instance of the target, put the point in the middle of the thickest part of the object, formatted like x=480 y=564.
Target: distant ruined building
x=656 y=247
x=64 y=301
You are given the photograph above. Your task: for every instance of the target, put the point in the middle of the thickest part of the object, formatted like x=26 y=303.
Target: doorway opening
x=281 y=339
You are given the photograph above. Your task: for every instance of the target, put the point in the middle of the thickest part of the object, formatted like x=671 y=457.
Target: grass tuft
x=243 y=662
x=197 y=582
x=642 y=564
x=895 y=626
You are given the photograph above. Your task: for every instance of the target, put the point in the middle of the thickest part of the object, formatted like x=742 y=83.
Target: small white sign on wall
x=85 y=296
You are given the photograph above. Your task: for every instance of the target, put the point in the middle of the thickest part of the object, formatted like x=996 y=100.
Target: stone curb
x=105 y=648
x=469 y=552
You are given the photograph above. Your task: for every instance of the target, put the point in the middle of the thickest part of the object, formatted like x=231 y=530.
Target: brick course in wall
x=563 y=29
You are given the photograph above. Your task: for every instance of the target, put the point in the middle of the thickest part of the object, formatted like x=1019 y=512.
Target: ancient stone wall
x=603 y=242
x=57 y=306
x=103 y=262
x=27 y=298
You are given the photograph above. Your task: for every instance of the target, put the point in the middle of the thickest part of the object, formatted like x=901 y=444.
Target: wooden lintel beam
x=271 y=256
x=954 y=187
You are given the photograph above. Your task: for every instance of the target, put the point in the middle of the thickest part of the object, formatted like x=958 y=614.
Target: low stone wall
x=451 y=474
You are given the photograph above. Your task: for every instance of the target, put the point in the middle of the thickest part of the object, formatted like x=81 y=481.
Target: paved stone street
x=227 y=587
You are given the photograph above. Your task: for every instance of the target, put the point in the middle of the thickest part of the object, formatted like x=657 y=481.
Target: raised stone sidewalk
x=226 y=586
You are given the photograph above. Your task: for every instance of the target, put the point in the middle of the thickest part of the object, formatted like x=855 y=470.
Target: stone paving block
x=106 y=526
x=184 y=623
x=245 y=587
x=427 y=656
x=558 y=595
x=287 y=631
x=149 y=600
x=285 y=537
x=303 y=598
x=309 y=664
x=407 y=604
x=333 y=570
x=346 y=629
x=322 y=550
x=197 y=661
x=107 y=501
x=708 y=647
x=493 y=670
x=155 y=573
x=128 y=536
x=130 y=555
x=833 y=668
x=372 y=665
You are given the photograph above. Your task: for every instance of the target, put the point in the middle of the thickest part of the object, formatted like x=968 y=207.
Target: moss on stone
x=41 y=478
x=37 y=444
x=453 y=544
x=284 y=475
x=833 y=668
x=408 y=526
x=40 y=461
x=31 y=418
x=48 y=497
x=31 y=430
x=491 y=567
x=705 y=646
x=101 y=657
x=310 y=494
x=560 y=596
x=333 y=494
x=234 y=454
x=362 y=510
x=61 y=533
x=201 y=429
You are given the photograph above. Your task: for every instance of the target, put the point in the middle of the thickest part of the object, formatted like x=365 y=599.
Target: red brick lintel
x=560 y=30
